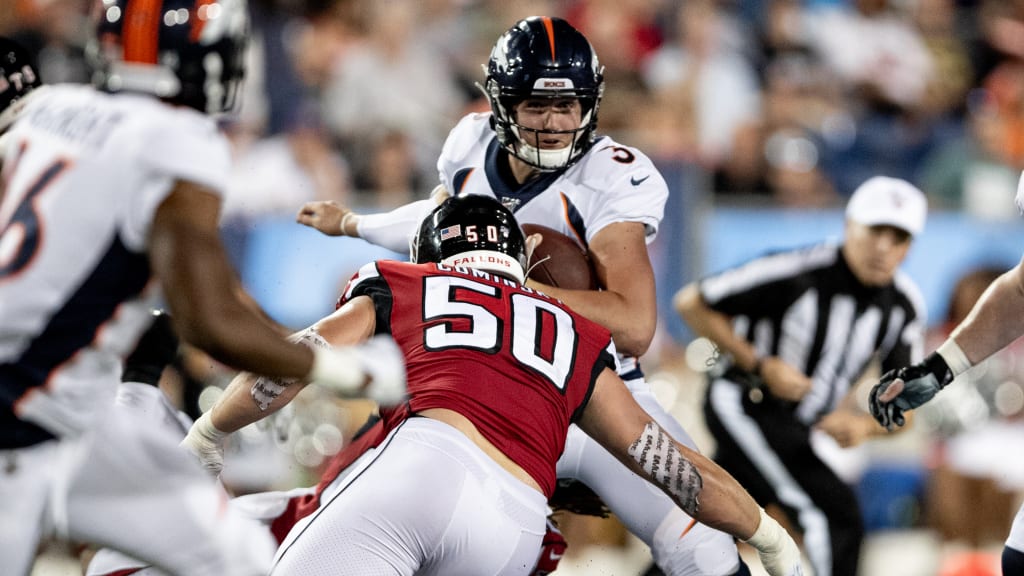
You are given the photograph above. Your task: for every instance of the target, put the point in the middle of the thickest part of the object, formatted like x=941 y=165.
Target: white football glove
x=374 y=369
x=779 y=554
x=206 y=443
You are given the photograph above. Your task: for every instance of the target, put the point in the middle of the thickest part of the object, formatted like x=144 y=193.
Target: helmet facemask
x=523 y=142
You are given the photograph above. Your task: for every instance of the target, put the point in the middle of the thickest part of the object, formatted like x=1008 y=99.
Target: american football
x=561 y=262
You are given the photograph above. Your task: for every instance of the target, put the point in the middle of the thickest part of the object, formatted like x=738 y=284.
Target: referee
x=796 y=330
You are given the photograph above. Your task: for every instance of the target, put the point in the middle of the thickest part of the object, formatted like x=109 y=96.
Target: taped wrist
x=204 y=428
x=954 y=357
x=769 y=535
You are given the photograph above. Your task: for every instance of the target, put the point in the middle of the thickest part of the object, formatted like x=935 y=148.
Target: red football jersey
x=517 y=363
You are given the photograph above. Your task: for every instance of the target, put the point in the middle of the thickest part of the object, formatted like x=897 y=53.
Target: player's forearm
x=249 y=398
x=996 y=320
x=630 y=319
x=714 y=326
x=696 y=484
x=201 y=290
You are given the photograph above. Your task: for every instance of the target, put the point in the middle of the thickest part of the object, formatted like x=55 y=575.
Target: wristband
x=344 y=220
x=954 y=356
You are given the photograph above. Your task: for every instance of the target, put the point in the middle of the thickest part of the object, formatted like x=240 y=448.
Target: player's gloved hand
x=156 y=349
x=907 y=388
x=551 y=551
x=779 y=554
x=206 y=442
x=374 y=370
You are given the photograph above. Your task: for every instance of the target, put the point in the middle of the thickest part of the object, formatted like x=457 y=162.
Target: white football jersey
x=610 y=183
x=83 y=174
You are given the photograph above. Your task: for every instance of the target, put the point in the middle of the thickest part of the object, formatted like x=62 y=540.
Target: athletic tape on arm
x=266 y=389
x=658 y=455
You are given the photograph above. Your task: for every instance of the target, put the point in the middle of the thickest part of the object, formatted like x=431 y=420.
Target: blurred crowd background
x=764 y=115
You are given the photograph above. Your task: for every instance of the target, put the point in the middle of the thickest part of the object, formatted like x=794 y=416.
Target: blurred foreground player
x=111 y=195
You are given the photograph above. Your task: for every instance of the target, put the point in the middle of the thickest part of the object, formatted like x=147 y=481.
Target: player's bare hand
x=847 y=428
x=784 y=380
x=329 y=217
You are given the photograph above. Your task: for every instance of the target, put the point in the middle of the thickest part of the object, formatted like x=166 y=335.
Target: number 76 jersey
x=83 y=175
x=518 y=364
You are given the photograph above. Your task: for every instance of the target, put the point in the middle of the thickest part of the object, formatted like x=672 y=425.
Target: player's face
x=874 y=253
x=544 y=115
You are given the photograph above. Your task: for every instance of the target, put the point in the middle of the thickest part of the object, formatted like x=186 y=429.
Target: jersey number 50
x=551 y=353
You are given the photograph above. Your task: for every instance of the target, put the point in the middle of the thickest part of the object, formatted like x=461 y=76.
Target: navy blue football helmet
x=543 y=57
x=18 y=77
x=187 y=52
x=473 y=231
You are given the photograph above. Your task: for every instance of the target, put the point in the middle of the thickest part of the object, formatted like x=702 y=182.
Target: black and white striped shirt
x=806 y=307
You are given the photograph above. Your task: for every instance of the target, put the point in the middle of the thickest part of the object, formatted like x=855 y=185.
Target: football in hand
x=559 y=261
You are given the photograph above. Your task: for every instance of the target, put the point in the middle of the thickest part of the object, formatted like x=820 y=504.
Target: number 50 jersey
x=517 y=363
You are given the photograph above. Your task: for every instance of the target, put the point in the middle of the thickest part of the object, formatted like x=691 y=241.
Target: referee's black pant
x=769 y=452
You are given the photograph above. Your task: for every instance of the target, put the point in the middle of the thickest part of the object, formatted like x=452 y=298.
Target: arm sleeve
x=394 y=230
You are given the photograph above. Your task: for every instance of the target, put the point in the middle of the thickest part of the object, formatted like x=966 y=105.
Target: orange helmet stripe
x=141 y=31
x=551 y=34
x=198 y=23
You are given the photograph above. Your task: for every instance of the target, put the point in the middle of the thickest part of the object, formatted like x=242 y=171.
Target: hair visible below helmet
x=475 y=232
x=543 y=57
x=18 y=77
x=188 y=52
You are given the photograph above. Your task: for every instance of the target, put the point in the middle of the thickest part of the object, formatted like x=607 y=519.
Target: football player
x=539 y=153
x=995 y=321
x=497 y=372
x=111 y=203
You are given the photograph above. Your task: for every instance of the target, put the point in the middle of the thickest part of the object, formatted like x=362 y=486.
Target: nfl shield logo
x=451 y=232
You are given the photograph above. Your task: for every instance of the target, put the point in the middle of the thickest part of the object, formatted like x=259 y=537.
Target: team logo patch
x=451 y=232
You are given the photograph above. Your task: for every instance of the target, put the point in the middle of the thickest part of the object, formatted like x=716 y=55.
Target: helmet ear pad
x=473 y=231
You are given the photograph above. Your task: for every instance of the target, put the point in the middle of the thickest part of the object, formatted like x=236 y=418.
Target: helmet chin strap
x=550 y=159
x=545 y=158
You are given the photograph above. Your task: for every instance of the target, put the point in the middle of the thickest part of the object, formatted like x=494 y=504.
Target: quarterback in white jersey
x=106 y=198
x=537 y=152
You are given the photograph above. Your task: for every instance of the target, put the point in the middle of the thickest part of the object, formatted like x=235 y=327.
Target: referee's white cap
x=889 y=201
